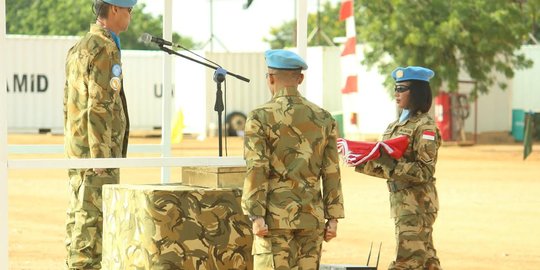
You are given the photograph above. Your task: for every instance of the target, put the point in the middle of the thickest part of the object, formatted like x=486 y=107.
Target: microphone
x=220 y=74
x=147 y=39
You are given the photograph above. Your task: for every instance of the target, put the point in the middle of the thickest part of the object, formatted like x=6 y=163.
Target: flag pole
x=301 y=34
x=4 y=243
x=166 y=112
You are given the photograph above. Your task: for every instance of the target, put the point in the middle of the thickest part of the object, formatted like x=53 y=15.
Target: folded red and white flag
x=396 y=147
x=357 y=152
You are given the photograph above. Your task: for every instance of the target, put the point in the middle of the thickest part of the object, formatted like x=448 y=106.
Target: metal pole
x=301 y=34
x=318 y=23
x=4 y=243
x=167 y=95
x=211 y=25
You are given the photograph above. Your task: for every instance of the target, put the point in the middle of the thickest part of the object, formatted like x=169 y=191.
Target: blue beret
x=412 y=73
x=121 y=3
x=283 y=59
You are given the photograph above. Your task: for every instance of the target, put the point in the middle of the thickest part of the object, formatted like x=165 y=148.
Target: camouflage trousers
x=298 y=249
x=415 y=243
x=84 y=222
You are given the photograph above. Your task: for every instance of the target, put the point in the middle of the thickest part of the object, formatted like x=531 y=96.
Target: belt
x=395 y=186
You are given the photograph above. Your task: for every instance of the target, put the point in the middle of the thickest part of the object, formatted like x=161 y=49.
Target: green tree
x=531 y=11
x=478 y=37
x=327 y=21
x=51 y=17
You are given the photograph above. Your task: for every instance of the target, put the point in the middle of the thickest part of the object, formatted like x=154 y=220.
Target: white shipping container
x=35 y=81
x=143 y=76
x=36 y=77
x=321 y=79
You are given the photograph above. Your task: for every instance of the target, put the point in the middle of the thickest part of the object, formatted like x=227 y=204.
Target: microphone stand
x=219 y=77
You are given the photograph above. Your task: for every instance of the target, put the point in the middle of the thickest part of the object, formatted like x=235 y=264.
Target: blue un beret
x=121 y=3
x=412 y=73
x=283 y=59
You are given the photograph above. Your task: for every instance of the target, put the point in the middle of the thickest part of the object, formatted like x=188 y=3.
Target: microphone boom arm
x=170 y=51
x=219 y=77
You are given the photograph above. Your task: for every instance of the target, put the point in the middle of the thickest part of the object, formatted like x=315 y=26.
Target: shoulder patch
x=116 y=70
x=115 y=83
x=428 y=135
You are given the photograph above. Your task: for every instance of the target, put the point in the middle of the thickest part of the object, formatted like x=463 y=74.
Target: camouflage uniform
x=175 y=226
x=96 y=125
x=413 y=196
x=290 y=143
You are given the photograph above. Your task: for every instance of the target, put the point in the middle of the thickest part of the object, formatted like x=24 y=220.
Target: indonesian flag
x=349 y=63
x=428 y=135
x=357 y=152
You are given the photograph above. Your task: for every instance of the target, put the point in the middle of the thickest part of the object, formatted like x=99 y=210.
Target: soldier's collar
x=415 y=117
x=99 y=29
x=287 y=91
x=412 y=118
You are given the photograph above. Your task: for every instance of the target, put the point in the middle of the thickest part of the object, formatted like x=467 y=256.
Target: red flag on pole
x=351 y=85
x=350 y=47
x=346 y=10
x=349 y=62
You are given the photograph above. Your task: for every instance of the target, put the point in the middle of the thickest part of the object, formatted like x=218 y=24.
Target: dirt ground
x=489 y=217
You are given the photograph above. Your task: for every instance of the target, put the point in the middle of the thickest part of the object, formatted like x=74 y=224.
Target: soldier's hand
x=330 y=232
x=259 y=227
x=386 y=163
x=360 y=167
x=99 y=171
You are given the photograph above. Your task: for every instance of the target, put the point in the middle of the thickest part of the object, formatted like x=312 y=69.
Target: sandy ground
x=489 y=217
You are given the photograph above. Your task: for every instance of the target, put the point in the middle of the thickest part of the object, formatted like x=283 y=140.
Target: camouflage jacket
x=413 y=172
x=290 y=146
x=96 y=123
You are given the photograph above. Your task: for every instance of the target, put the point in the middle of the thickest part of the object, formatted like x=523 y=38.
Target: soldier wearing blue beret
x=283 y=59
x=96 y=125
x=410 y=179
x=401 y=74
x=291 y=152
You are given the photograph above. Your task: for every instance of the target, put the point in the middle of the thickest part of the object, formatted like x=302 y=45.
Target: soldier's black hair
x=100 y=9
x=420 y=96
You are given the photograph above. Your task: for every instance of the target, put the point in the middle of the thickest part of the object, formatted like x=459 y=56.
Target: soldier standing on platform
x=292 y=191
x=96 y=125
x=413 y=196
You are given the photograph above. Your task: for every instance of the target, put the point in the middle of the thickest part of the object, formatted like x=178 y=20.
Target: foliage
x=329 y=25
x=531 y=10
x=454 y=37
x=51 y=17
x=478 y=37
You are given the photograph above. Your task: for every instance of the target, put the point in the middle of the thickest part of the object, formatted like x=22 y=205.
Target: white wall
x=526 y=83
x=494 y=110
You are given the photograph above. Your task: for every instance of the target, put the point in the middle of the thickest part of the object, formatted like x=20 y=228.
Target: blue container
x=518 y=124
